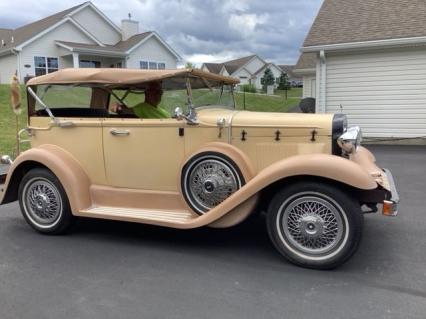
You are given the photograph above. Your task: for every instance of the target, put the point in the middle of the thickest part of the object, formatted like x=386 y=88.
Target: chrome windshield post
x=192 y=116
x=49 y=112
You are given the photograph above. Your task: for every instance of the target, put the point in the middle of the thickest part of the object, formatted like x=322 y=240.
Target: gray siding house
x=81 y=36
x=368 y=59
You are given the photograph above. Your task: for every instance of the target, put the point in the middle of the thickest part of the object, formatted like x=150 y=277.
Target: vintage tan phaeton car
x=209 y=164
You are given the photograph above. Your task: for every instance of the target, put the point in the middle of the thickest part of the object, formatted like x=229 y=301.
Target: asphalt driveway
x=116 y=270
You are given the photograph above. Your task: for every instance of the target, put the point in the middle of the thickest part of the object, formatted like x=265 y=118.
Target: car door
x=143 y=154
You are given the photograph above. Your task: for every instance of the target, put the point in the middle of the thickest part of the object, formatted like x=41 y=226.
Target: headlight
x=350 y=140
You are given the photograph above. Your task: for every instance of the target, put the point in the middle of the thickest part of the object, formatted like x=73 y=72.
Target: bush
x=250 y=88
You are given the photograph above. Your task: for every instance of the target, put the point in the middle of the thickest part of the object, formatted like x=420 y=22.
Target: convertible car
x=209 y=164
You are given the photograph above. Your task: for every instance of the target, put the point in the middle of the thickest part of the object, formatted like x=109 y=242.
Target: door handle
x=116 y=132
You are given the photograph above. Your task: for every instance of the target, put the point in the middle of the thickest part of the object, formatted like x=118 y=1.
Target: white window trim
x=45 y=57
x=152 y=61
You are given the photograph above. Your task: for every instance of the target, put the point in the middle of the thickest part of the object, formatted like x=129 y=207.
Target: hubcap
x=210 y=182
x=312 y=225
x=42 y=202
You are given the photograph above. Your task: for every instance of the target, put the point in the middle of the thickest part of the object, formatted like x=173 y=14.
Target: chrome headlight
x=350 y=140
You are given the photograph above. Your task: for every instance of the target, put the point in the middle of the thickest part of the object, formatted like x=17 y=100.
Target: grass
x=171 y=99
x=8 y=121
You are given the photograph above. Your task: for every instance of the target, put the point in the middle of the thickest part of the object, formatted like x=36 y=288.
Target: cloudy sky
x=200 y=30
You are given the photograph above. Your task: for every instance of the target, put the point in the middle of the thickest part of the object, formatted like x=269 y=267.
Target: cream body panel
x=83 y=140
x=260 y=144
x=149 y=158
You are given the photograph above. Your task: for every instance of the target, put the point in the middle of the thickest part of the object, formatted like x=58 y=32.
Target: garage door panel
x=384 y=92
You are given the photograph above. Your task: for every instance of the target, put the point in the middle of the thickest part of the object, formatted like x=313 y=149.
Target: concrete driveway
x=114 y=270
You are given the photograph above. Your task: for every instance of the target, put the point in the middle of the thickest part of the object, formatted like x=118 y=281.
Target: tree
x=189 y=65
x=268 y=78
x=283 y=83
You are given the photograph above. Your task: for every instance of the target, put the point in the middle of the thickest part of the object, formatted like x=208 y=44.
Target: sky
x=199 y=30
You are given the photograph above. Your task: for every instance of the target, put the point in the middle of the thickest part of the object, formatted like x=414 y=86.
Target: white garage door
x=383 y=92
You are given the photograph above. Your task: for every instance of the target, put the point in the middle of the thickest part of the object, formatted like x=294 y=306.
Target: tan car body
x=98 y=186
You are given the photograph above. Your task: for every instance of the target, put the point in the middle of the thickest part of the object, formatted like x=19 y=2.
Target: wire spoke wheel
x=315 y=224
x=208 y=181
x=312 y=225
x=42 y=201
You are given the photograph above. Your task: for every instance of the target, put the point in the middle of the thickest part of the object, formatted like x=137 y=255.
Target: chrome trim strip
x=231 y=118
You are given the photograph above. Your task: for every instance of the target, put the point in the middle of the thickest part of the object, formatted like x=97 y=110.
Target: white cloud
x=198 y=30
x=246 y=23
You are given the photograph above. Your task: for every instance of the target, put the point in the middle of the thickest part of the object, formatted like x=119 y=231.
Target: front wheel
x=315 y=225
x=44 y=203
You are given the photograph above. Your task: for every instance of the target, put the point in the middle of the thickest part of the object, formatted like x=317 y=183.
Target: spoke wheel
x=208 y=180
x=315 y=225
x=44 y=203
x=312 y=224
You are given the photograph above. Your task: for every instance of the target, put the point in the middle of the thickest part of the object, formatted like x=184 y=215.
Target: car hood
x=260 y=123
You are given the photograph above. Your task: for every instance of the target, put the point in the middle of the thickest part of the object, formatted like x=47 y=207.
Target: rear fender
x=66 y=168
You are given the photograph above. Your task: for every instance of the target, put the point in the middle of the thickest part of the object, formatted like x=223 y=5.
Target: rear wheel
x=44 y=203
x=315 y=225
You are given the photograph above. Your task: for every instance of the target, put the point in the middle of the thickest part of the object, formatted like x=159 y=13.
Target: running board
x=154 y=217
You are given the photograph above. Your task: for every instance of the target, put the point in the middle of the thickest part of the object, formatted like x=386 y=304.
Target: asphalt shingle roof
x=26 y=32
x=120 y=47
x=230 y=66
x=347 y=21
x=306 y=61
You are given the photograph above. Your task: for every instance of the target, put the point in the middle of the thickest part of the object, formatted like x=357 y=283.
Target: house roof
x=230 y=66
x=26 y=32
x=348 y=21
x=288 y=69
x=306 y=61
x=120 y=47
x=214 y=67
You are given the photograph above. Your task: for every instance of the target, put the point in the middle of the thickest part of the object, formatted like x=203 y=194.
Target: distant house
x=81 y=36
x=249 y=69
x=293 y=78
x=368 y=58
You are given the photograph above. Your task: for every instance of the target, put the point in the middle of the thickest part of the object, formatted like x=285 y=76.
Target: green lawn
x=171 y=99
x=8 y=121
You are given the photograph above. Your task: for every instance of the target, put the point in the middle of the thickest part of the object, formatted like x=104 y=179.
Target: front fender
x=320 y=165
x=66 y=168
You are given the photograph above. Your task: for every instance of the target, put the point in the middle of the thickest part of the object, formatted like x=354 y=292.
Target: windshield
x=215 y=96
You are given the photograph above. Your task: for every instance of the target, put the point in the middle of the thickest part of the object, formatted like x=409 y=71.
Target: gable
x=151 y=50
x=64 y=32
x=90 y=20
x=254 y=65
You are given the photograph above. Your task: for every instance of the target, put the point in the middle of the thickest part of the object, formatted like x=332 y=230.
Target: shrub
x=250 y=88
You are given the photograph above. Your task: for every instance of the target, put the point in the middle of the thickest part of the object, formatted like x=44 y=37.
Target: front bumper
x=390 y=204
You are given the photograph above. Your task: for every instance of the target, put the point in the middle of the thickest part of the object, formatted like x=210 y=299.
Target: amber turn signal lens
x=389 y=208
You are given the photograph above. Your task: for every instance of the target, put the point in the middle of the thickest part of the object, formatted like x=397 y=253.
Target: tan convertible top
x=118 y=77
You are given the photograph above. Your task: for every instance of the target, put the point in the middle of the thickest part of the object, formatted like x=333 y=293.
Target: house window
x=152 y=65
x=89 y=64
x=44 y=65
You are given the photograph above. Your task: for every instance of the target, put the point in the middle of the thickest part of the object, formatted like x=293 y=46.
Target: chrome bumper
x=390 y=205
